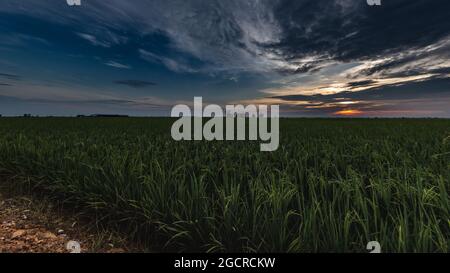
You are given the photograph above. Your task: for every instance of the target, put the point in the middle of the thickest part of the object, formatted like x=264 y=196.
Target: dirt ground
x=32 y=226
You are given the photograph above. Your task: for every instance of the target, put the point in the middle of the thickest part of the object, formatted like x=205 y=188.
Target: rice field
x=332 y=186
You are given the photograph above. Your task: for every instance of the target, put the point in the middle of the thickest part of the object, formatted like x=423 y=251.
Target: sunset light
x=348 y=112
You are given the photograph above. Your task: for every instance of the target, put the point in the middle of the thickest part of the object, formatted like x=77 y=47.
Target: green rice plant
x=332 y=186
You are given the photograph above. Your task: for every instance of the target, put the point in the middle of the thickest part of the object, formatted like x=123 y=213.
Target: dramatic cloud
x=264 y=35
x=345 y=30
x=393 y=92
x=405 y=99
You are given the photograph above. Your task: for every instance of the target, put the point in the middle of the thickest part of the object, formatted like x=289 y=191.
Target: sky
x=314 y=58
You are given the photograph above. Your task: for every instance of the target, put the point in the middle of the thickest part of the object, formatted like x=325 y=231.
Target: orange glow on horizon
x=348 y=112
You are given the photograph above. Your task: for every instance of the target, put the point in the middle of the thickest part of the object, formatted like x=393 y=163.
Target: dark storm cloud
x=361 y=83
x=348 y=30
x=414 y=61
x=135 y=83
x=4 y=84
x=445 y=70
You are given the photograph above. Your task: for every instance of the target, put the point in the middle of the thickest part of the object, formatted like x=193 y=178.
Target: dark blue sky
x=313 y=57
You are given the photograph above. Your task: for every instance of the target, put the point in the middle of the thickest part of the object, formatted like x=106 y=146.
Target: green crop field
x=332 y=186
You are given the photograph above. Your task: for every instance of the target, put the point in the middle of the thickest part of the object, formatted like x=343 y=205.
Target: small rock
x=60 y=231
x=49 y=235
x=18 y=233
